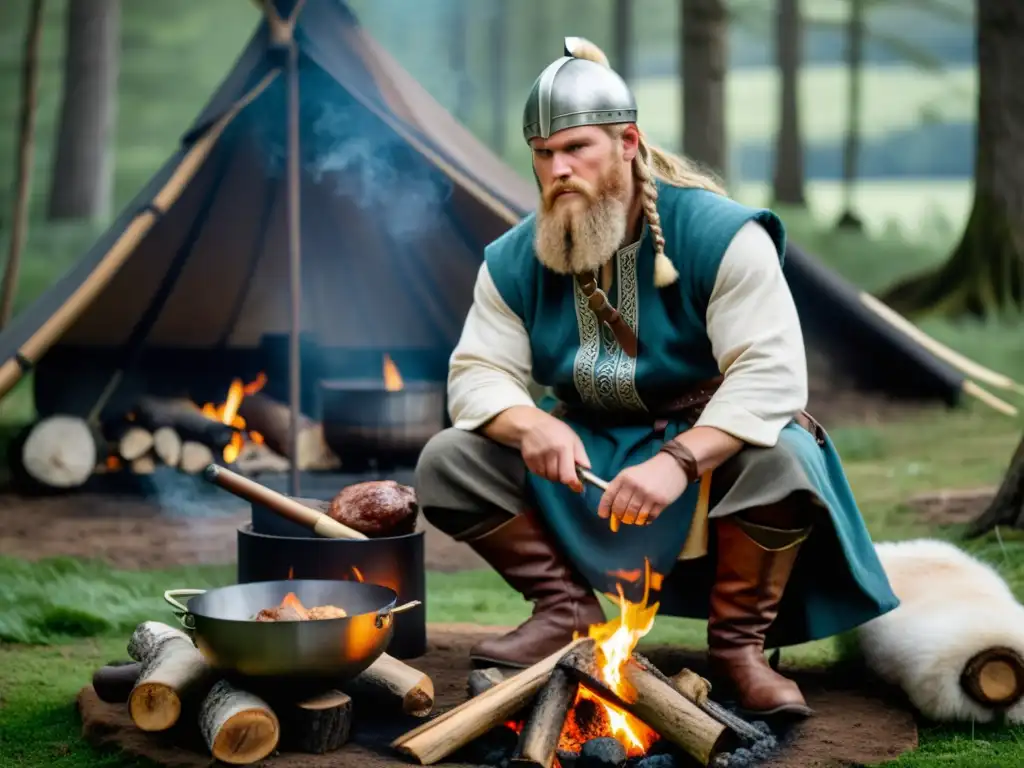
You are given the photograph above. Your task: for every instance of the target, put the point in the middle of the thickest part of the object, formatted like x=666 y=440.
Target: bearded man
x=656 y=310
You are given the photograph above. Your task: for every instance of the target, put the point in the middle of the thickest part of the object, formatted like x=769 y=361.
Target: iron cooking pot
x=224 y=629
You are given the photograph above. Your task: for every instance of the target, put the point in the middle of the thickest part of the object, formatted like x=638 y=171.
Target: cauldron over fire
x=369 y=422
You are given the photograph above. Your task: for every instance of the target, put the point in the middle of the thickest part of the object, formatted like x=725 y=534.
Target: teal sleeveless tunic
x=840 y=583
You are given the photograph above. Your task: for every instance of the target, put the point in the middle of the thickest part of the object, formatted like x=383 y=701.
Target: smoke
x=187 y=496
x=347 y=150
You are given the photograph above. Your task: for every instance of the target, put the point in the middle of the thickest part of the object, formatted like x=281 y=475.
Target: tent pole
x=294 y=260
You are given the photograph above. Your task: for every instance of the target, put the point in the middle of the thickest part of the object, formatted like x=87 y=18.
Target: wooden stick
x=238 y=727
x=539 y=738
x=457 y=727
x=287 y=507
x=654 y=701
x=26 y=144
x=394 y=684
x=950 y=356
x=173 y=671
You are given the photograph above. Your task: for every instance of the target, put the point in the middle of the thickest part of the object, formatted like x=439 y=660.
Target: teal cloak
x=839 y=582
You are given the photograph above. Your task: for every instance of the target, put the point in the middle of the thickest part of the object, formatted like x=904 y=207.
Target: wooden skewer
x=589 y=477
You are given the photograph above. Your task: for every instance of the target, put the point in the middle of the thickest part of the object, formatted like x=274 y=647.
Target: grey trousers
x=468 y=484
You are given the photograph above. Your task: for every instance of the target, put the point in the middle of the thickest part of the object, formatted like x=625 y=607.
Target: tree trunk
x=499 y=93
x=622 y=24
x=985 y=273
x=458 y=59
x=26 y=145
x=851 y=143
x=788 y=181
x=704 y=61
x=1007 y=506
x=83 y=172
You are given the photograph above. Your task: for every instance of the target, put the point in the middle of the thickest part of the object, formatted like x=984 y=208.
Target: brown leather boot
x=522 y=553
x=749 y=582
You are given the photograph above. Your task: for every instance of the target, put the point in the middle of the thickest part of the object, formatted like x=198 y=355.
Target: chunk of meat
x=280 y=613
x=376 y=508
x=326 y=612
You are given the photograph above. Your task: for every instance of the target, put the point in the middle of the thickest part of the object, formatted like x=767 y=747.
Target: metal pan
x=221 y=621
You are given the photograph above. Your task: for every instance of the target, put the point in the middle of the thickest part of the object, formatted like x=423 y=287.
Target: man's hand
x=638 y=494
x=551 y=449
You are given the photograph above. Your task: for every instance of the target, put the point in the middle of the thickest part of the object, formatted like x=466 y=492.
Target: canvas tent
x=396 y=202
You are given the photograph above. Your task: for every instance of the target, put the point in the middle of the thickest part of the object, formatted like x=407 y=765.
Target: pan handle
x=182 y=613
x=384 y=614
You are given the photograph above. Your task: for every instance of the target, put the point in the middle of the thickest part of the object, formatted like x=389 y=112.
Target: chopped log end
x=246 y=737
x=394 y=683
x=195 y=457
x=61 y=452
x=238 y=727
x=144 y=465
x=154 y=706
x=167 y=446
x=135 y=443
x=994 y=677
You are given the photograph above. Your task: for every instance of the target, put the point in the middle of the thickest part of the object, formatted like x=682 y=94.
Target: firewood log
x=239 y=727
x=134 y=443
x=479 y=680
x=144 y=465
x=448 y=732
x=185 y=418
x=114 y=682
x=195 y=457
x=61 y=451
x=173 y=673
x=272 y=419
x=315 y=726
x=393 y=683
x=167 y=446
x=539 y=738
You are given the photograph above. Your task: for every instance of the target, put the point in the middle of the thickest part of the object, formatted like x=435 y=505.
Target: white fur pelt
x=953 y=606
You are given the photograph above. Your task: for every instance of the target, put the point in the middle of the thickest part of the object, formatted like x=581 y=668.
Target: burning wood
x=248 y=430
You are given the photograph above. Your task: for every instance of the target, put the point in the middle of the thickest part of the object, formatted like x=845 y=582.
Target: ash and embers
x=496 y=747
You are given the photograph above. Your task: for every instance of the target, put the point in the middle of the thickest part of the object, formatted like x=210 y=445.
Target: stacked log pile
x=63 y=451
x=169 y=685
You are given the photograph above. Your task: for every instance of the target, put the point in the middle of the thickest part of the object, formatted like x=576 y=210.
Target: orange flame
x=392 y=378
x=227 y=413
x=615 y=641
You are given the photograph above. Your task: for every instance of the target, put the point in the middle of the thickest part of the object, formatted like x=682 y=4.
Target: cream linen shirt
x=751 y=321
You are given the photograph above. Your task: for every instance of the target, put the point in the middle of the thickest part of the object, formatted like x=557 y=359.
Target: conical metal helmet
x=571 y=92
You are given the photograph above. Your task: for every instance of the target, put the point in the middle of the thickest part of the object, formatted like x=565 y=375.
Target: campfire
x=598 y=698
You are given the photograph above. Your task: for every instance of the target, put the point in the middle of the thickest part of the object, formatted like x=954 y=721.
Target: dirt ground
x=855 y=722
x=136 y=533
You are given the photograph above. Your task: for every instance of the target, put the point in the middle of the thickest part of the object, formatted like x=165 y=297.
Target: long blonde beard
x=582 y=234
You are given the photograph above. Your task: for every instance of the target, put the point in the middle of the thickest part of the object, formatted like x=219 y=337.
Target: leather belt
x=607 y=314
x=687 y=406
